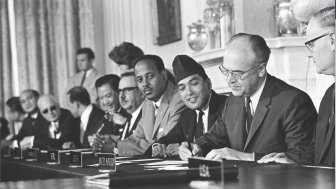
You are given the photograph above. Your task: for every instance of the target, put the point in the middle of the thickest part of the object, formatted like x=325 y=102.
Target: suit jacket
x=113 y=128
x=186 y=127
x=149 y=128
x=29 y=127
x=89 y=83
x=66 y=125
x=134 y=126
x=4 y=128
x=284 y=121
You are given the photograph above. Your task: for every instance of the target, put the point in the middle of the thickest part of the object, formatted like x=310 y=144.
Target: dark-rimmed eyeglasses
x=235 y=74
x=126 y=90
x=310 y=44
x=50 y=109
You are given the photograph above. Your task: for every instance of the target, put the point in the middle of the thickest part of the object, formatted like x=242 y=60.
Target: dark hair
x=111 y=79
x=34 y=92
x=14 y=104
x=125 y=54
x=79 y=94
x=258 y=45
x=87 y=51
x=155 y=59
x=127 y=74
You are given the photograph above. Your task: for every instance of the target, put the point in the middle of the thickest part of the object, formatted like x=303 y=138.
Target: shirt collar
x=88 y=72
x=158 y=102
x=86 y=113
x=137 y=111
x=256 y=96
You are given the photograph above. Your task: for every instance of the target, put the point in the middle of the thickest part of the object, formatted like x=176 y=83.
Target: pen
x=189 y=145
x=100 y=128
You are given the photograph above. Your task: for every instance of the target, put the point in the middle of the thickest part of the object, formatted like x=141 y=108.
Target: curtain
x=47 y=34
x=5 y=56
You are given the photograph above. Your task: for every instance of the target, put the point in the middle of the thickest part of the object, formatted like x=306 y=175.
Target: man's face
x=108 y=98
x=130 y=96
x=49 y=109
x=73 y=107
x=195 y=91
x=322 y=49
x=28 y=101
x=239 y=59
x=150 y=81
x=13 y=115
x=83 y=62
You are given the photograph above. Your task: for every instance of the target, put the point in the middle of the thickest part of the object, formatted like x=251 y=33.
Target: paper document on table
x=167 y=162
x=165 y=167
x=138 y=160
x=101 y=179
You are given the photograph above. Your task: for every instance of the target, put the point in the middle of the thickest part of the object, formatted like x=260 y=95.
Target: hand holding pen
x=188 y=149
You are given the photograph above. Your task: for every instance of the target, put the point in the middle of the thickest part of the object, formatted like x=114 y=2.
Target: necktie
x=126 y=131
x=200 y=126
x=156 y=109
x=248 y=116
x=83 y=79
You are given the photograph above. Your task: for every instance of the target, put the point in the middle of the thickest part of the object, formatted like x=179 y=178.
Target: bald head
x=28 y=99
x=49 y=107
x=252 y=48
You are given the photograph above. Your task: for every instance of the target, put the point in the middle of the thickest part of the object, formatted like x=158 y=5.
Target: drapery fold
x=6 y=89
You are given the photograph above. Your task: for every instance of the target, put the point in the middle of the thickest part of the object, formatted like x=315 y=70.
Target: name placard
x=53 y=157
x=17 y=153
x=76 y=159
x=202 y=169
x=31 y=154
x=107 y=162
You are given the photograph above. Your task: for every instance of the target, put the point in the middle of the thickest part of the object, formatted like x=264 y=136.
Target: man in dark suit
x=24 y=138
x=263 y=114
x=116 y=117
x=57 y=129
x=321 y=45
x=92 y=119
x=204 y=106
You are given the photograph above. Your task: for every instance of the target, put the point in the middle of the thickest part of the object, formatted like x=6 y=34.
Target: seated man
x=116 y=117
x=16 y=115
x=321 y=44
x=58 y=128
x=263 y=114
x=161 y=110
x=92 y=119
x=204 y=106
x=28 y=99
x=130 y=98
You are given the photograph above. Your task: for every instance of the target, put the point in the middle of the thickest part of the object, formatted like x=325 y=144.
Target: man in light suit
x=87 y=75
x=204 y=106
x=58 y=129
x=263 y=114
x=321 y=46
x=161 y=110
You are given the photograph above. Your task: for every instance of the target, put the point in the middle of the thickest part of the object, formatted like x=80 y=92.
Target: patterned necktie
x=83 y=79
x=200 y=125
x=248 y=116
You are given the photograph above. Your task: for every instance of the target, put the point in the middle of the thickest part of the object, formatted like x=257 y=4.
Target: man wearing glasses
x=57 y=130
x=321 y=46
x=263 y=114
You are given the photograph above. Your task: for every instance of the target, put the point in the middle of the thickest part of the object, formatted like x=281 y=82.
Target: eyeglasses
x=126 y=90
x=50 y=109
x=235 y=74
x=310 y=44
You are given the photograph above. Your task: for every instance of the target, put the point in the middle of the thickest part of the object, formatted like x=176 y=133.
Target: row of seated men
x=263 y=119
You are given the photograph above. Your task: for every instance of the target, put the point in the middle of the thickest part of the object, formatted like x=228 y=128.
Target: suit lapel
x=261 y=110
x=162 y=109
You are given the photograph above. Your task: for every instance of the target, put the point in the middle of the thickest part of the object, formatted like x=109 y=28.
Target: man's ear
x=262 y=70
x=164 y=74
x=332 y=41
x=208 y=82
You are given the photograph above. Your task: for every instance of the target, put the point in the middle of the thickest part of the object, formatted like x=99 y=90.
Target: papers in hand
x=27 y=142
